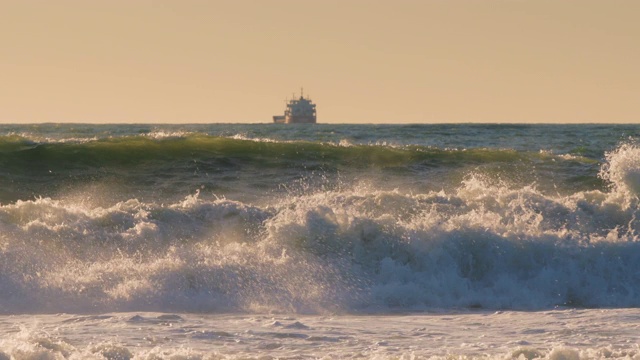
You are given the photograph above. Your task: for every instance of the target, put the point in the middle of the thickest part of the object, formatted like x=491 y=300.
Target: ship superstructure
x=299 y=111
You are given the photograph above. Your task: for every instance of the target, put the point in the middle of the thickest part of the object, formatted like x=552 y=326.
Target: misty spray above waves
x=323 y=218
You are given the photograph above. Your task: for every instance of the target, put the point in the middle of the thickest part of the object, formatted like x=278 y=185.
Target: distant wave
x=17 y=151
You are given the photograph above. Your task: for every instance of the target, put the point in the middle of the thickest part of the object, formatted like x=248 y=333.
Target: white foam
x=566 y=334
x=161 y=134
x=622 y=169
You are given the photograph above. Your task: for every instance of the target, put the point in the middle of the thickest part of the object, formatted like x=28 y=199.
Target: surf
x=353 y=248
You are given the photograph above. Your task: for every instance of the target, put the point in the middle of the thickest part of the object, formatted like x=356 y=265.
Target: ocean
x=268 y=241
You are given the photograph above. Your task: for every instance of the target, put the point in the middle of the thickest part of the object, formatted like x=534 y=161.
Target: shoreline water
x=553 y=334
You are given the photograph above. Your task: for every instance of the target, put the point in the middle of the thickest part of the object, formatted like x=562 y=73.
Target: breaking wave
x=357 y=248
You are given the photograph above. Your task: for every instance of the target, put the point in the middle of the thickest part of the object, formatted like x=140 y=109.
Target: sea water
x=319 y=241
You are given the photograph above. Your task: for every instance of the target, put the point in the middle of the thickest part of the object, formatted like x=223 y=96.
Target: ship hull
x=300 y=120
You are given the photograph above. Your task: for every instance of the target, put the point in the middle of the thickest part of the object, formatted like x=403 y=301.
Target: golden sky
x=361 y=61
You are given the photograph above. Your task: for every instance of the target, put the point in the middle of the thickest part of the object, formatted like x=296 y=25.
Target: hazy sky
x=361 y=61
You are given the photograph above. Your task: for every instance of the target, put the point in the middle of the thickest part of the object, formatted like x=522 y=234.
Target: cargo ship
x=298 y=111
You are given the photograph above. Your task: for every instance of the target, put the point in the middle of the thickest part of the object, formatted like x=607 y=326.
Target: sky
x=361 y=61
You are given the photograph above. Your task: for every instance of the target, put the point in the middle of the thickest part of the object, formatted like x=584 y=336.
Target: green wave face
x=180 y=164
x=136 y=150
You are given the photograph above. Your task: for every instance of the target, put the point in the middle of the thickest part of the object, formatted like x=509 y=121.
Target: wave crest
x=622 y=169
